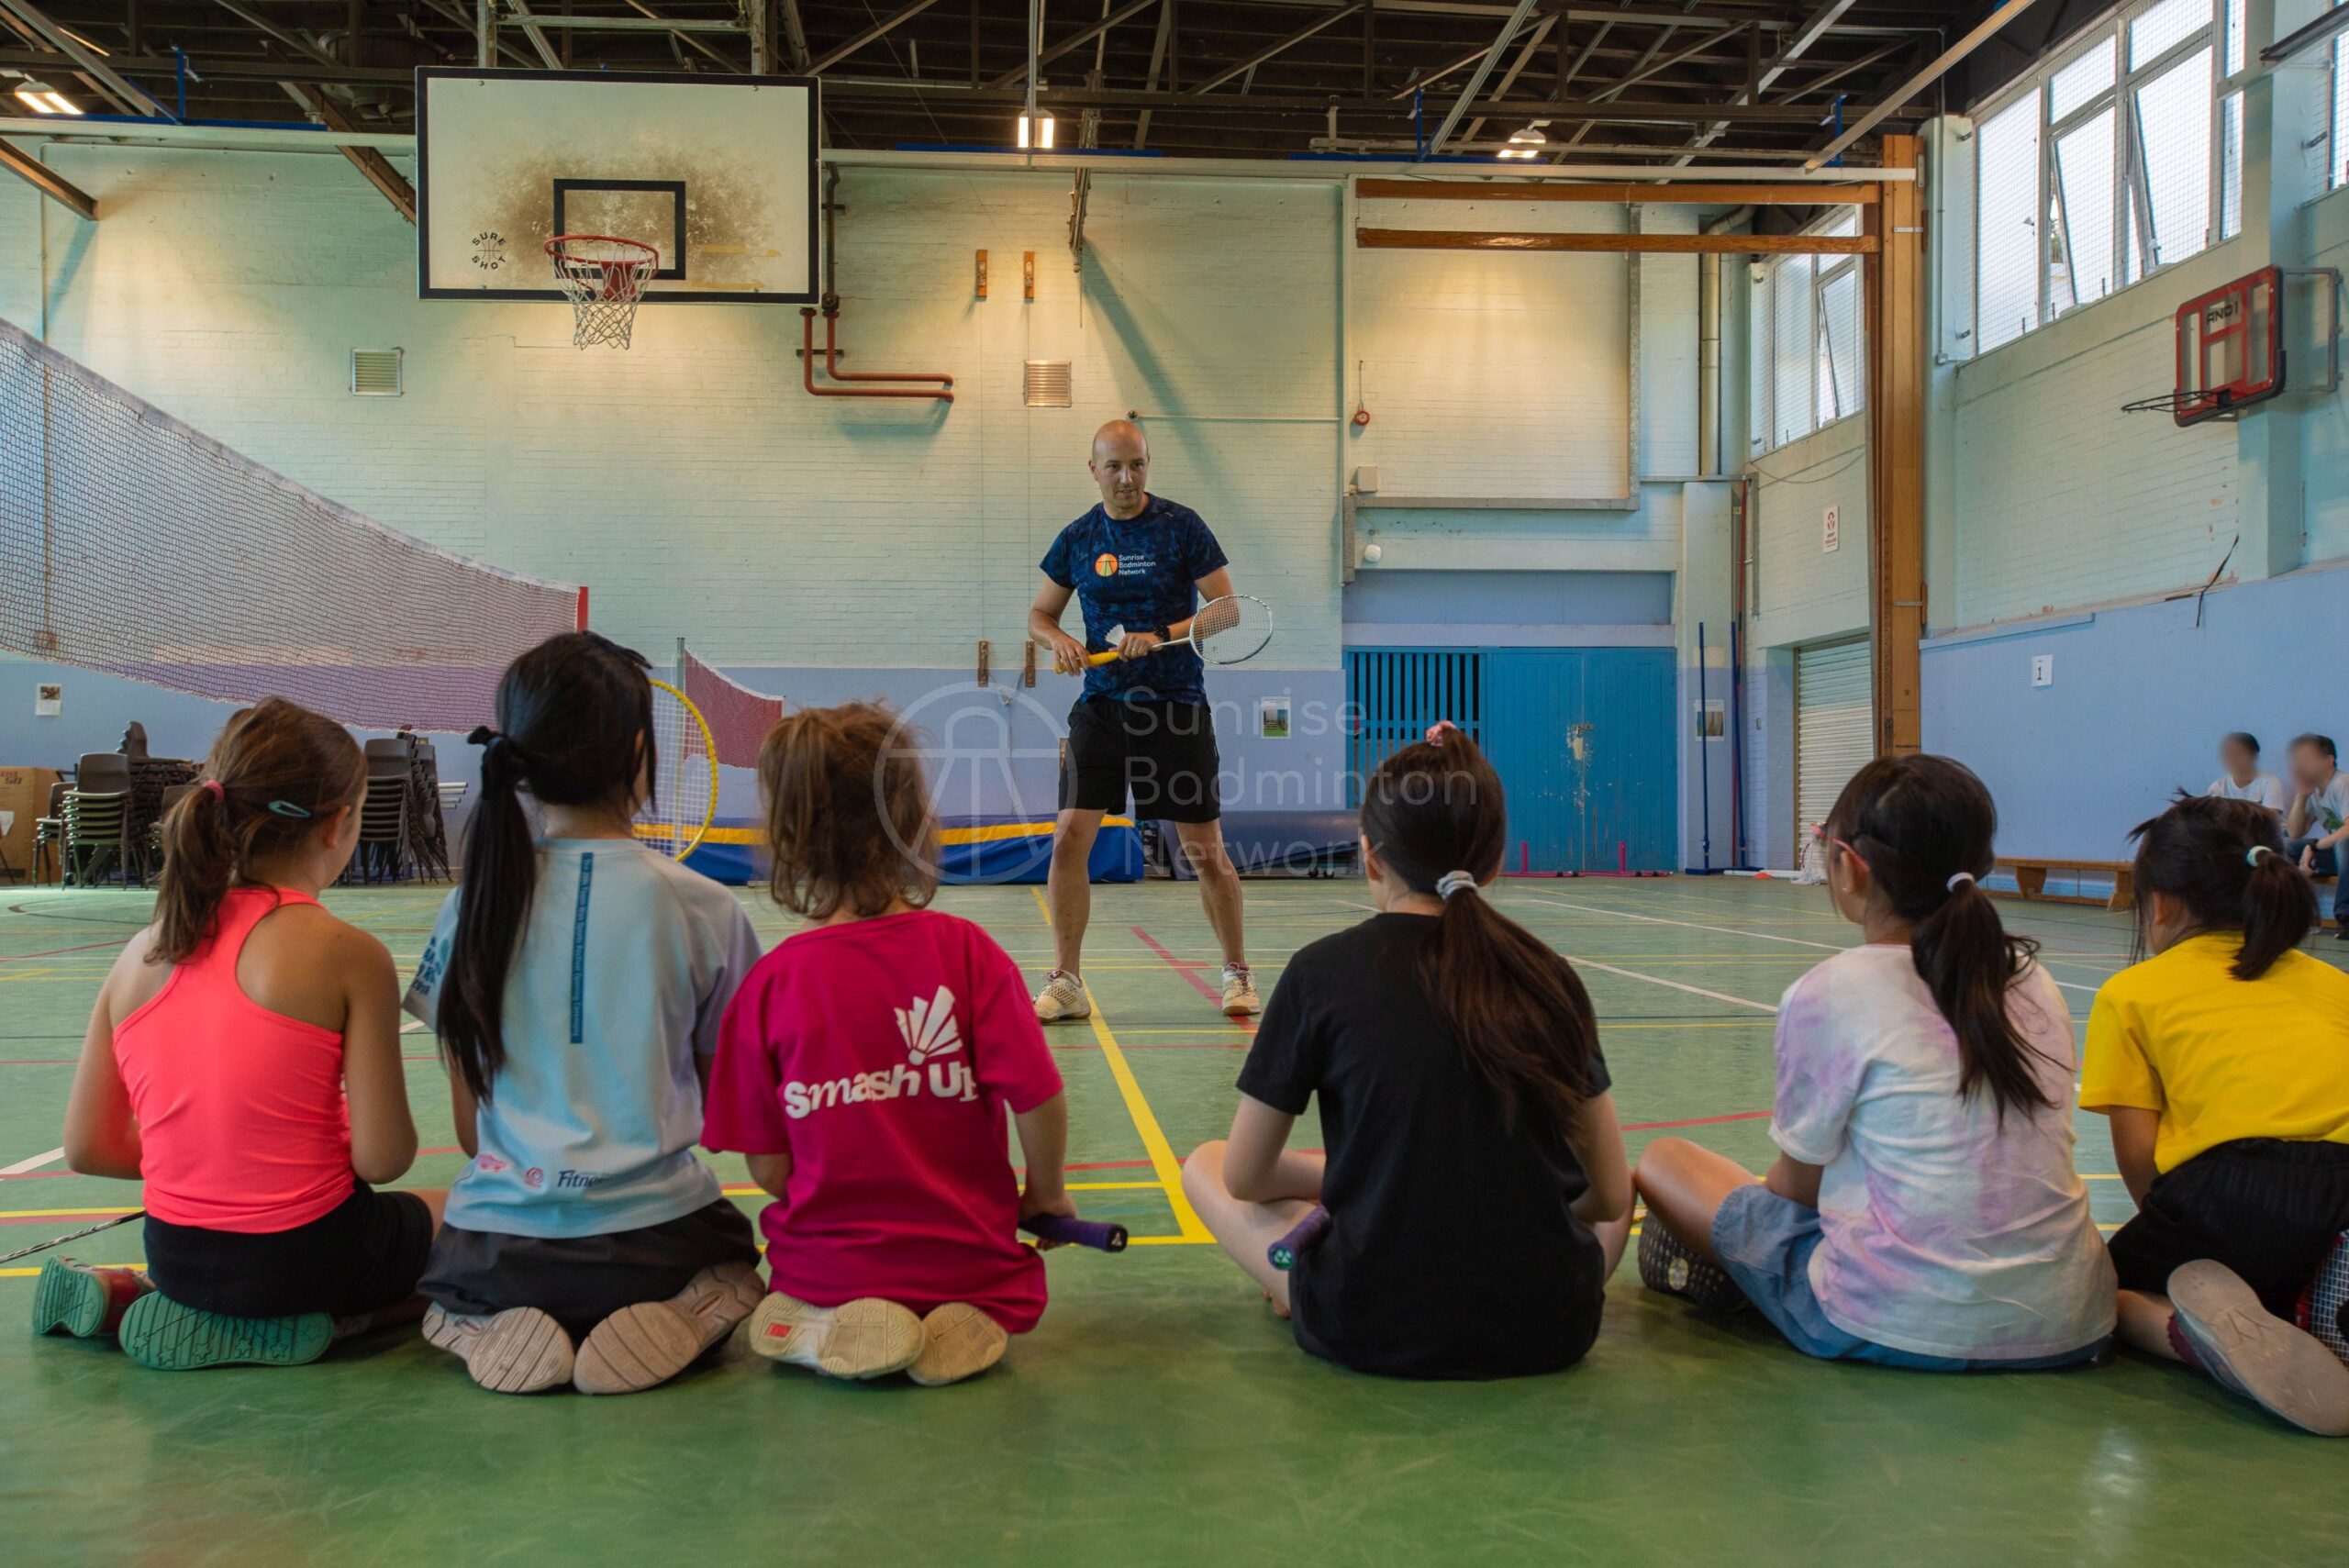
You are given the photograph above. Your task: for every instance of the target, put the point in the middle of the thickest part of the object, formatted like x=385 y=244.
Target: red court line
x=1693 y=1121
x=53 y=953
x=1184 y=967
x=38 y=1176
x=38 y=1062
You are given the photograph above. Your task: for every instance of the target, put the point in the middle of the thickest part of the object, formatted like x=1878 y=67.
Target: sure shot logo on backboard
x=489 y=249
x=926 y=1026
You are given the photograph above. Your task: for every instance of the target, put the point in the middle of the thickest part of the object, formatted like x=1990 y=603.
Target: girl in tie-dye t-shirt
x=1923 y=1211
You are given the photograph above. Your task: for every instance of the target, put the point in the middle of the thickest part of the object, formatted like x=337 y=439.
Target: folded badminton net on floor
x=739 y=717
x=132 y=544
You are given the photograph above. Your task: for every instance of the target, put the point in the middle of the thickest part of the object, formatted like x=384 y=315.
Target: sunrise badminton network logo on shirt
x=928 y=1028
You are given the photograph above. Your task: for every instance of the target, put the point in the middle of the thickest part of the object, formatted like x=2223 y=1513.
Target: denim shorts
x=1766 y=1243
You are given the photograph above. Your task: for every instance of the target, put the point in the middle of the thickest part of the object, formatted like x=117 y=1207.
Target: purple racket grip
x=1284 y=1252
x=1090 y=1233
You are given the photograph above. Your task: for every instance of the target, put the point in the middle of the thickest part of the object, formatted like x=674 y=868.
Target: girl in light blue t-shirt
x=576 y=983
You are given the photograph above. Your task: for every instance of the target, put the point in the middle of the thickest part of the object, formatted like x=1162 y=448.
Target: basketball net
x=604 y=278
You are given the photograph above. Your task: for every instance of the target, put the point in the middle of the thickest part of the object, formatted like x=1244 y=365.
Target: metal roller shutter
x=1832 y=730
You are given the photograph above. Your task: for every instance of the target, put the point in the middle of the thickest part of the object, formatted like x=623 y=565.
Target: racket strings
x=1231 y=629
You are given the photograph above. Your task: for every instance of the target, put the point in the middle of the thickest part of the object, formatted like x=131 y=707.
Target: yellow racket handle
x=1111 y=656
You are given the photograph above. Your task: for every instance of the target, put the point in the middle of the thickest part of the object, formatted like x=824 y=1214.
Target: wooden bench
x=2031 y=880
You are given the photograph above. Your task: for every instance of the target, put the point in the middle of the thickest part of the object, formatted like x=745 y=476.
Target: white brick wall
x=1802 y=591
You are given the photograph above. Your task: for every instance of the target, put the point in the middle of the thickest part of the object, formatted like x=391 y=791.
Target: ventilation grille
x=375 y=372
x=1050 y=383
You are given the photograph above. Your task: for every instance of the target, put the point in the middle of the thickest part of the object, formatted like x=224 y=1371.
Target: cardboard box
x=23 y=800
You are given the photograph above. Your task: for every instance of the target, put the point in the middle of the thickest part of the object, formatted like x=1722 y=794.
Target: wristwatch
x=1165 y=632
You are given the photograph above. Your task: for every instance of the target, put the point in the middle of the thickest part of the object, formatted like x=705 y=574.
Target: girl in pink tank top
x=243 y=1062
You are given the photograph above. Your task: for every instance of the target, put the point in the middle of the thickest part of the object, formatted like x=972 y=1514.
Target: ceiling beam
x=1814 y=27
x=1860 y=192
x=1674 y=244
x=1158 y=43
x=46 y=181
x=1919 y=81
x=1280 y=46
x=130 y=97
x=873 y=34
x=795 y=35
x=1476 y=78
x=1075 y=41
x=372 y=165
x=1516 y=69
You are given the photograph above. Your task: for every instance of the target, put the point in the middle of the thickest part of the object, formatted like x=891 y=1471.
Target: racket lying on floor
x=684 y=802
x=1230 y=631
x=1075 y=1232
x=71 y=1236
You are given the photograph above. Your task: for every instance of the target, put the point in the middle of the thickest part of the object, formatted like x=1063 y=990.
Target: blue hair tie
x=288 y=808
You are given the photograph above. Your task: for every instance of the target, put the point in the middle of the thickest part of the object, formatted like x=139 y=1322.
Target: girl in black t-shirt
x=1475 y=1179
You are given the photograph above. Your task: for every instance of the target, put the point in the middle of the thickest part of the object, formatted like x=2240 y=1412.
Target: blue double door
x=1582 y=738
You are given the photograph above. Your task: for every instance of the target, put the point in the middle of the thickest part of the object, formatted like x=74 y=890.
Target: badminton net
x=135 y=545
x=739 y=717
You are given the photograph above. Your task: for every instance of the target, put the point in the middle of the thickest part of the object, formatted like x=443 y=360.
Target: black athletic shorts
x=1163 y=752
x=579 y=1281
x=363 y=1254
x=2268 y=1208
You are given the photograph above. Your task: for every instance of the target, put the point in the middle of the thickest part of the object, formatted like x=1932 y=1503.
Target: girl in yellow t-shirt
x=2223 y=1062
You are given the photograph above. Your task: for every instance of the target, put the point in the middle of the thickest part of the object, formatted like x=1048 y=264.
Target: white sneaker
x=645 y=1345
x=1062 y=998
x=519 y=1351
x=868 y=1338
x=1240 y=992
x=958 y=1341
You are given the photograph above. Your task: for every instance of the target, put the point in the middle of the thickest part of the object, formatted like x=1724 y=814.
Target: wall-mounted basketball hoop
x=2230 y=350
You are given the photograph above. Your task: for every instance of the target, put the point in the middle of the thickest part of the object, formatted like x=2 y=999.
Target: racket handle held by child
x=1284 y=1253
x=1093 y=1233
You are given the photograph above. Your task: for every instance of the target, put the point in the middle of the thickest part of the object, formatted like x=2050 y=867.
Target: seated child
x=1923 y=1211
x=243 y=1060
x=866 y=1068
x=1475 y=1182
x=2223 y=1062
x=2239 y=755
x=576 y=983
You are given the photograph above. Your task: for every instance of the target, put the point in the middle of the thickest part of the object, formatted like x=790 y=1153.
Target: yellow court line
x=29 y=1273
x=52 y=1213
x=1163 y=1162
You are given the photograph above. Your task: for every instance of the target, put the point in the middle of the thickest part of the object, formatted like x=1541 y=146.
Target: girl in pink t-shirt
x=865 y=1068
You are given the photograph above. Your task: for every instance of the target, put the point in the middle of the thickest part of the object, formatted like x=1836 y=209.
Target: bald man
x=1138 y=564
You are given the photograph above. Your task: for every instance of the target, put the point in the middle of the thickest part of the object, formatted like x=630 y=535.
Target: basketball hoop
x=604 y=277
x=2187 y=407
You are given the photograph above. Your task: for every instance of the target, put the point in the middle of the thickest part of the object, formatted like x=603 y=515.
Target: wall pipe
x=808 y=370
x=831 y=311
x=1704 y=752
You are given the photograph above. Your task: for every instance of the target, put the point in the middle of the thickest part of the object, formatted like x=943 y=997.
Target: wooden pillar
x=1894 y=281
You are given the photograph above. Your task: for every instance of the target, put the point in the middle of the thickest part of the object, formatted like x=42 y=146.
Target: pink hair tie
x=1435 y=731
x=212 y=787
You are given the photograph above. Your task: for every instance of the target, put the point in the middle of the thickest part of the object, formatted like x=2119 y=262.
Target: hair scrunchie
x=1960 y=879
x=1453 y=882
x=212 y=787
x=2250 y=857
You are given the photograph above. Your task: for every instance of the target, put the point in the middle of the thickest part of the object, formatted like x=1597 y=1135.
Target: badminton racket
x=1075 y=1232
x=71 y=1236
x=1284 y=1253
x=1230 y=631
x=683 y=801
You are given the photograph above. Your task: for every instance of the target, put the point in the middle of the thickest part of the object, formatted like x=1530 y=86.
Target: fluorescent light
x=43 y=99
x=63 y=105
x=1042 y=134
x=1526 y=144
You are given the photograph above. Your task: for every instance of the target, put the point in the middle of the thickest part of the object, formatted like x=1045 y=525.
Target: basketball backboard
x=2230 y=347
x=718 y=174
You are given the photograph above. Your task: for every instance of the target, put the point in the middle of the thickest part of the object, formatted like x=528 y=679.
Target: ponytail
x=574 y=727
x=2223 y=862
x=1924 y=825
x=1435 y=815
x=276 y=772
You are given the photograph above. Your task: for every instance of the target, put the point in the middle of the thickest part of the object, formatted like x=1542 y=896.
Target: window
x=2120 y=158
x=1807 y=364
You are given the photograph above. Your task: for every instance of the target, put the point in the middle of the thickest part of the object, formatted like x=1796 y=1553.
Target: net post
x=680 y=676
x=583 y=606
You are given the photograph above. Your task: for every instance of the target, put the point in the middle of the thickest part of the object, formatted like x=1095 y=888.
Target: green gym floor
x=1160 y=1414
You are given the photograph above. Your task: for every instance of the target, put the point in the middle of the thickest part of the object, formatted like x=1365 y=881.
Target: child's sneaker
x=958 y=1341
x=159 y=1332
x=1668 y=1267
x=519 y=1351
x=1240 y=992
x=645 y=1345
x=1062 y=998
x=82 y=1300
x=2324 y=1305
x=863 y=1338
x=2249 y=1350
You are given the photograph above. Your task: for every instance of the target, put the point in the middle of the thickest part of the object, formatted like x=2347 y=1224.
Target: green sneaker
x=159 y=1332
x=83 y=1301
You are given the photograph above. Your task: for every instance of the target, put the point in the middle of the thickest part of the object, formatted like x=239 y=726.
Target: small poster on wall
x=1712 y=719
x=1831 y=532
x=1272 y=718
x=49 y=699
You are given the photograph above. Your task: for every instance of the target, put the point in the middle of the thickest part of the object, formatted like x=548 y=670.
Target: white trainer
x=868 y=1338
x=520 y=1351
x=958 y=1341
x=1240 y=992
x=645 y=1345
x=1062 y=998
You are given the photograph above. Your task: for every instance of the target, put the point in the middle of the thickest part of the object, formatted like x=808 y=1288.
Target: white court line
x=1733 y=931
x=411 y=1025
x=1674 y=984
x=35 y=1164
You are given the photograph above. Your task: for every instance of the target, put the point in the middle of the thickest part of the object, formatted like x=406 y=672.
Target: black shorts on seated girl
x=364 y=1254
x=1451 y=1251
